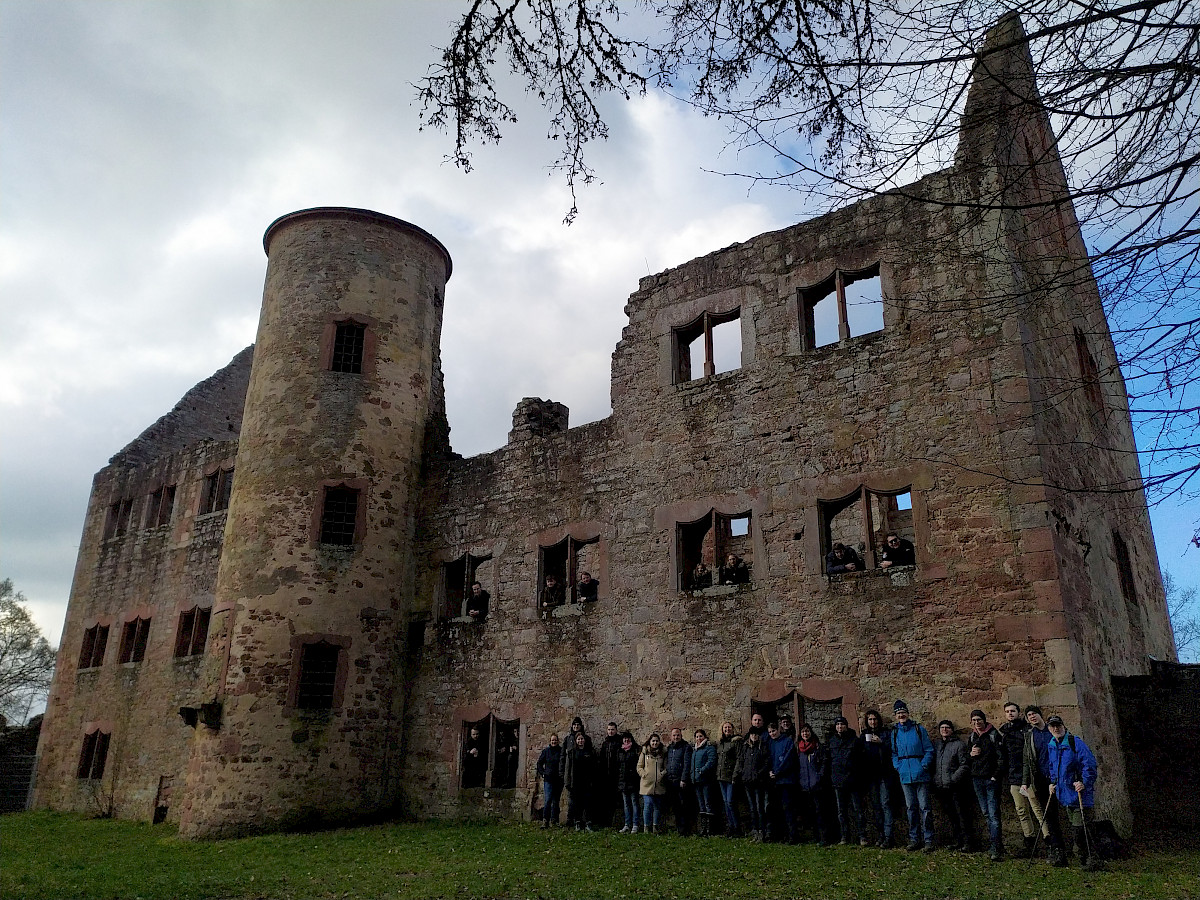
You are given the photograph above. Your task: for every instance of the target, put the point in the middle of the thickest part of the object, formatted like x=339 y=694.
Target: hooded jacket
x=912 y=752
x=727 y=756
x=754 y=763
x=704 y=764
x=579 y=769
x=628 y=779
x=1066 y=762
x=652 y=767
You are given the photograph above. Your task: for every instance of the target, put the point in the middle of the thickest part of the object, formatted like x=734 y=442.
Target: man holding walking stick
x=1070 y=767
x=1036 y=788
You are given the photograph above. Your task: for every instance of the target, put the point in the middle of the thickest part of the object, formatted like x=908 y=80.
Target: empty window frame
x=704 y=548
x=1089 y=372
x=119 y=514
x=134 y=637
x=94 y=754
x=715 y=337
x=491 y=753
x=217 y=488
x=844 y=305
x=349 y=339
x=317 y=680
x=160 y=506
x=565 y=562
x=339 y=516
x=95 y=641
x=459 y=575
x=1124 y=569
x=861 y=522
x=193 y=631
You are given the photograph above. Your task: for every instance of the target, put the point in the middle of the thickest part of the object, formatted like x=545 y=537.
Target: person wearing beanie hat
x=913 y=757
x=988 y=765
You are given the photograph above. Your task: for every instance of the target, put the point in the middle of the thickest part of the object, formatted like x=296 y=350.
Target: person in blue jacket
x=912 y=757
x=1070 y=767
x=703 y=776
x=679 y=773
x=785 y=767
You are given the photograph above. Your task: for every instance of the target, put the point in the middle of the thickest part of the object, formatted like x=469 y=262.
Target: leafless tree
x=851 y=98
x=1183 y=606
x=26 y=658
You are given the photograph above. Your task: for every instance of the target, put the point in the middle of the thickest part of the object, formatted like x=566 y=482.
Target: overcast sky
x=144 y=149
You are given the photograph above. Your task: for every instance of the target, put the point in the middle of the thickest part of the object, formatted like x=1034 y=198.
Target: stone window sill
x=721 y=590
x=898 y=574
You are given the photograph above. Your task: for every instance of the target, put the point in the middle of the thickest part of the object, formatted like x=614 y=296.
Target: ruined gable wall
x=921 y=403
x=156 y=572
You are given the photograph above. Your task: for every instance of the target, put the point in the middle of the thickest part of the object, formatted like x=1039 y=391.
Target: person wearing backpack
x=912 y=758
x=1070 y=767
x=988 y=767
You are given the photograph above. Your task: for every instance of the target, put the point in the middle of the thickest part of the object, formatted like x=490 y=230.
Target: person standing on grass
x=1013 y=730
x=951 y=784
x=844 y=750
x=1071 y=769
x=703 y=776
x=608 y=797
x=988 y=768
x=754 y=773
x=727 y=758
x=549 y=768
x=785 y=767
x=652 y=767
x=579 y=778
x=812 y=771
x=1035 y=786
x=874 y=771
x=912 y=757
x=679 y=769
x=629 y=783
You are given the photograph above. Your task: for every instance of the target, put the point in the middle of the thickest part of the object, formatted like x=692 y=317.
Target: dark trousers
x=849 y=803
x=551 y=792
x=782 y=802
x=956 y=806
x=679 y=802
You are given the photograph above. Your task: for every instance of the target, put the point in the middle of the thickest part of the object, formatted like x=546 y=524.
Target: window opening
x=845 y=305
x=217 y=488
x=318 y=675
x=1089 y=372
x=95 y=641
x=339 y=516
x=1124 y=569
x=160 y=506
x=94 y=754
x=560 y=567
x=491 y=749
x=348 y=341
x=862 y=523
x=460 y=574
x=820 y=715
x=705 y=547
x=705 y=342
x=119 y=514
x=193 y=631
x=134 y=637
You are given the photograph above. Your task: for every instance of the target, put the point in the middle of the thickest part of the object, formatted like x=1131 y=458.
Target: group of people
x=775 y=784
x=554 y=591
x=733 y=571
x=895 y=551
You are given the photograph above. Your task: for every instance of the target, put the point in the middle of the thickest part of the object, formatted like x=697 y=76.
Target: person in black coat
x=477 y=603
x=753 y=772
x=844 y=751
x=608 y=797
x=842 y=559
x=549 y=769
x=679 y=769
x=629 y=783
x=475 y=759
x=874 y=772
x=579 y=778
x=989 y=767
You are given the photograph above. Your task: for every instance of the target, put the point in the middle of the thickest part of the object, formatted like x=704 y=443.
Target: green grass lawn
x=44 y=856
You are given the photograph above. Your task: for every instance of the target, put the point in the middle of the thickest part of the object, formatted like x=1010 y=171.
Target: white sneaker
x=633 y=830
x=624 y=830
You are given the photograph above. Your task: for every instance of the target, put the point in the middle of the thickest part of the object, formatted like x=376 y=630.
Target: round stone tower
x=305 y=667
